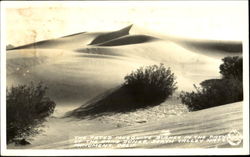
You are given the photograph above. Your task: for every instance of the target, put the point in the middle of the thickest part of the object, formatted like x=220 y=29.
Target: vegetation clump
x=27 y=107
x=151 y=83
x=216 y=92
x=232 y=68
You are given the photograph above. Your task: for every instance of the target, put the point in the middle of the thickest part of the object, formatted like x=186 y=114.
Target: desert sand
x=213 y=130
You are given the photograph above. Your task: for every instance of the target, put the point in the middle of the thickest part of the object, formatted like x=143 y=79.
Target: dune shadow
x=119 y=100
x=72 y=34
x=111 y=35
x=128 y=40
x=40 y=44
x=97 y=56
x=98 y=51
x=224 y=46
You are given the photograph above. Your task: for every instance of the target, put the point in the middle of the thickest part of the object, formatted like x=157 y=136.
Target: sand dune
x=77 y=39
x=97 y=69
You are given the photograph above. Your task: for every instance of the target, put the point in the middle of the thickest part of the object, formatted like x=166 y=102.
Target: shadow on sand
x=119 y=100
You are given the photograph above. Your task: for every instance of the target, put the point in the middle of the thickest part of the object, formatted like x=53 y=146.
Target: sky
x=30 y=22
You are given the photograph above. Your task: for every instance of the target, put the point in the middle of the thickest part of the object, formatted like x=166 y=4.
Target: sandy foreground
x=218 y=127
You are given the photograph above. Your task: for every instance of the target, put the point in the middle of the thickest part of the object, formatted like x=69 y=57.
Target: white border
x=3 y=81
x=94 y=152
x=18 y=4
x=246 y=86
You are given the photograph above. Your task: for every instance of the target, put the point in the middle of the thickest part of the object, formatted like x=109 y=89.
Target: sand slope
x=211 y=123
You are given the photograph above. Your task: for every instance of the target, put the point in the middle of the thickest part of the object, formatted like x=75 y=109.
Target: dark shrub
x=213 y=93
x=232 y=68
x=151 y=84
x=27 y=108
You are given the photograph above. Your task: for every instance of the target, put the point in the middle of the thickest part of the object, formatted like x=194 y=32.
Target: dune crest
x=111 y=35
x=128 y=40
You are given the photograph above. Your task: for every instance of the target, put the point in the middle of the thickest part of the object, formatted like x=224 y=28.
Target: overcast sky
x=30 y=22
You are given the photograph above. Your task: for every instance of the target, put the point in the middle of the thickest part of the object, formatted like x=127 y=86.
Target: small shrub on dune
x=27 y=107
x=151 y=84
x=216 y=92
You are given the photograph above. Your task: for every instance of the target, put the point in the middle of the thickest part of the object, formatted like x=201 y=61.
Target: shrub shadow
x=120 y=100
